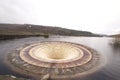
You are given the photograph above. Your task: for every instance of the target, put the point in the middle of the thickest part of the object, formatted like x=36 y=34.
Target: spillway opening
x=55 y=52
x=56 y=56
x=59 y=59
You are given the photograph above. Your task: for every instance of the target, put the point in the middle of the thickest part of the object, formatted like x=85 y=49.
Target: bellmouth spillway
x=59 y=59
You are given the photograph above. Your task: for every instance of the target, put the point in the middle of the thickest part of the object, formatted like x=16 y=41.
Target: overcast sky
x=98 y=16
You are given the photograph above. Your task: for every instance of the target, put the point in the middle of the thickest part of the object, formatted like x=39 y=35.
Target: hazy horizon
x=97 y=16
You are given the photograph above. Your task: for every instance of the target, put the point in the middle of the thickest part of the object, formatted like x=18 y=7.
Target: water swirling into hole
x=62 y=60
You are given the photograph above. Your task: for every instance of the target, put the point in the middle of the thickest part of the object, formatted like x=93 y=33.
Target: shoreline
x=7 y=37
x=10 y=77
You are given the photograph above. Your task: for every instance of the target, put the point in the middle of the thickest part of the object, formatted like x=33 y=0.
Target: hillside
x=9 y=30
x=116 y=35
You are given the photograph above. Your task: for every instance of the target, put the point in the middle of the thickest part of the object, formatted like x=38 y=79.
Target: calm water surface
x=110 y=55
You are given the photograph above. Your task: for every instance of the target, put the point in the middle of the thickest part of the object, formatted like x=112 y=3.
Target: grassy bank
x=116 y=42
x=18 y=30
x=5 y=37
x=9 y=77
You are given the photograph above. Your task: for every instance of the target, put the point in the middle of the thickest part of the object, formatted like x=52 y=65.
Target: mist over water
x=110 y=56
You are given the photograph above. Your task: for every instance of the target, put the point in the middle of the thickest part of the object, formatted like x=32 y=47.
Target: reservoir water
x=110 y=55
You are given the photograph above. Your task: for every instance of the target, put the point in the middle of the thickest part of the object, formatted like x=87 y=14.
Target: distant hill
x=38 y=30
x=115 y=35
x=19 y=29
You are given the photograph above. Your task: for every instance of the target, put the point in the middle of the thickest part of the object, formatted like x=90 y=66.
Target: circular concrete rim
x=42 y=63
x=94 y=62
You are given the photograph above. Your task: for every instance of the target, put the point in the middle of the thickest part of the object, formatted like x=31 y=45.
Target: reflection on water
x=111 y=56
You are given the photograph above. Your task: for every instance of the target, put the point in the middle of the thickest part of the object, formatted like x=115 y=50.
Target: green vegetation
x=116 y=42
x=116 y=36
x=8 y=31
x=8 y=77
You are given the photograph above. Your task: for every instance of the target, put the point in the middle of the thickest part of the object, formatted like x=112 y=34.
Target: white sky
x=98 y=16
